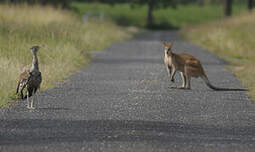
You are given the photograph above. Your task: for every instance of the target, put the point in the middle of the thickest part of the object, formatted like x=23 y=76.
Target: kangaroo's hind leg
x=187 y=75
x=183 y=80
x=188 y=86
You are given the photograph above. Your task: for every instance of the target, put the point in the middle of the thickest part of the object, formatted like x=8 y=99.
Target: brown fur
x=188 y=66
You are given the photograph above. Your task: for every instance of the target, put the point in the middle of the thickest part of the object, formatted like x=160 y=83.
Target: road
x=122 y=103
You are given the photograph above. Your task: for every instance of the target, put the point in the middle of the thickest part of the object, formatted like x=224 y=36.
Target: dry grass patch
x=66 y=38
x=232 y=39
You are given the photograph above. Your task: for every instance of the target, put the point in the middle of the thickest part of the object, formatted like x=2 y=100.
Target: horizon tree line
x=152 y=4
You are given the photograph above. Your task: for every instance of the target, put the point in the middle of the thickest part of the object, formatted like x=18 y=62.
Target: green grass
x=232 y=39
x=169 y=18
x=66 y=38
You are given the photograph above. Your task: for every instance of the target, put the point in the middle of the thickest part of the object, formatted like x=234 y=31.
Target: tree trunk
x=13 y=1
x=66 y=4
x=150 y=13
x=201 y=3
x=44 y=2
x=174 y=4
x=250 y=5
x=228 y=7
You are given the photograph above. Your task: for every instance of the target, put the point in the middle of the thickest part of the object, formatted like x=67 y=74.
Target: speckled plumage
x=31 y=79
x=22 y=83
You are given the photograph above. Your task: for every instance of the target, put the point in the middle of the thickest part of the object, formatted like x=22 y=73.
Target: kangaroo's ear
x=171 y=45
x=165 y=45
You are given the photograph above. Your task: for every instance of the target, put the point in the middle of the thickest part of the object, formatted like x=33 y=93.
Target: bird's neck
x=35 y=64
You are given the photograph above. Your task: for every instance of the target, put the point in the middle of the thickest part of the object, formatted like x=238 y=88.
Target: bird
x=30 y=79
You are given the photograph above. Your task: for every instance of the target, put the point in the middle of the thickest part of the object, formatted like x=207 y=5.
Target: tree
x=66 y=4
x=228 y=7
x=150 y=19
x=250 y=5
x=56 y=3
x=152 y=5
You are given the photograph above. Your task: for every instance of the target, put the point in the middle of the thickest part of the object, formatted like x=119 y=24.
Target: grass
x=232 y=39
x=168 y=18
x=67 y=42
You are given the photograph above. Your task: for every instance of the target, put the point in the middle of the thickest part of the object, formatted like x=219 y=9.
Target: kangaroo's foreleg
x=173 y=72
x=168 y=69
x=183 y=79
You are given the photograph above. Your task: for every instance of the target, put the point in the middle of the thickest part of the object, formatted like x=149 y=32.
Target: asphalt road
x=122 y=102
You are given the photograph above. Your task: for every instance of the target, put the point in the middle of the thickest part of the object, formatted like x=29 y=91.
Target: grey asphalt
x=122 y=102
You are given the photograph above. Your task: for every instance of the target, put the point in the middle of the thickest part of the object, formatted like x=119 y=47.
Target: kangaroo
x=188 y=66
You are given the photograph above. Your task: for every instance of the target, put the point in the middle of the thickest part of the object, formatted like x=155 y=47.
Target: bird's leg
x=32 y=102
x=22 y=96
x=28 y=103
x=37 y=93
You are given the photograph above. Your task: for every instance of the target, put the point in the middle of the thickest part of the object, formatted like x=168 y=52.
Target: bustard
x=30 y=79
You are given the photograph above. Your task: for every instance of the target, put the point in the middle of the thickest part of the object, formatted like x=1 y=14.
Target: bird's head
x=34 y=49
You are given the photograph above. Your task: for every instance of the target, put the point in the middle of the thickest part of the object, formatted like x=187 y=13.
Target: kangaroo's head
x=168 y=47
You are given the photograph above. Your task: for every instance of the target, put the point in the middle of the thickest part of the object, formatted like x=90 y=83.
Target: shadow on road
x=15 y=132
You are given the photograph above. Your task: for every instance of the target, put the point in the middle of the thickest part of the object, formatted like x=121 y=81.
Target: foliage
x=165 y=18
x=56 y=3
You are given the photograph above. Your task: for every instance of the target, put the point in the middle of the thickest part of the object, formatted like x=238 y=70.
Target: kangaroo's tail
x=207 y=82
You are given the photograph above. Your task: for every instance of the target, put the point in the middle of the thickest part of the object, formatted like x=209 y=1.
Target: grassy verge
x=66 y=38
x=232 y=39
x=168 y=18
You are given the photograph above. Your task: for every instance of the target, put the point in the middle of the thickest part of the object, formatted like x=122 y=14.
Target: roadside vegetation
x=67 y=42
x=164 y=18
x=232 y=39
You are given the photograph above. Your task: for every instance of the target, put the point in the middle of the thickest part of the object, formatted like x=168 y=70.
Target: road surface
x=122 y=103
